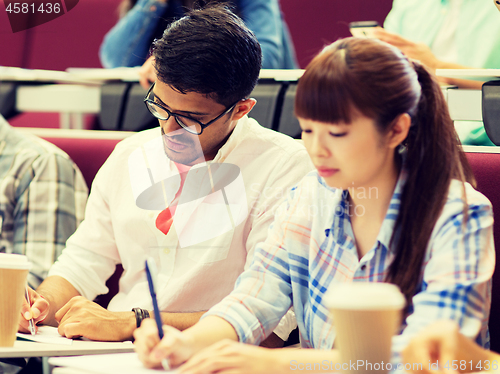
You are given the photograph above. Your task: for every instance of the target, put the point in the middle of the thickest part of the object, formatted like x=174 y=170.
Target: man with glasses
x=189 y=124
x=196 y=195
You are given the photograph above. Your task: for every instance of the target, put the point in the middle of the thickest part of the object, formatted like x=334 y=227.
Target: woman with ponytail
x=392 y=200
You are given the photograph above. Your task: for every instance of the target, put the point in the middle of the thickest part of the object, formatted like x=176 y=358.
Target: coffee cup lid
x=364 y=296
x=14 y=261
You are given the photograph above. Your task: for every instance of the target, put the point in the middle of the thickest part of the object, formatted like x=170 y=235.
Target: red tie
x=166 y=217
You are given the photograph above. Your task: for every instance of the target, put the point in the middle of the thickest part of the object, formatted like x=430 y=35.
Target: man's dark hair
x=209 y=51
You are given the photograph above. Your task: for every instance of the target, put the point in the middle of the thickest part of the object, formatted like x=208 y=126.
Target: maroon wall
x=316 y=23
x=71 y=40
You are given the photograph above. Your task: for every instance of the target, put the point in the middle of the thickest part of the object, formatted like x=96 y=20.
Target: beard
x=182 y=148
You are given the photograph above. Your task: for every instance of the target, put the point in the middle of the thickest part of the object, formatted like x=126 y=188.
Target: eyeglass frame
x=149 y=102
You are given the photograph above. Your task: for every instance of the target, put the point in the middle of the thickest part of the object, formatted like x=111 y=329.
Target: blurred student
x=390 y=201
x=142 y=21
x=42 y=199
x=448 y=34
x=201 y=228
x=445 y=34
x=441 y=348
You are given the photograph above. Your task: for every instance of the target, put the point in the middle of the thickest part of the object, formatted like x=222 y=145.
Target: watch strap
x=140 y=314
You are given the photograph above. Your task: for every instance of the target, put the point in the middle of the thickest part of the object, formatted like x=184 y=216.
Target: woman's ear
x=399 y=131
x=243 y=107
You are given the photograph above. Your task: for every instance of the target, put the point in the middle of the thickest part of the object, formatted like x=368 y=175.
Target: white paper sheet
x=123 y=363
x=46 y=334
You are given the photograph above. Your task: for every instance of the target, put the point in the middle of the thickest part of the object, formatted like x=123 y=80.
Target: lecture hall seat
x=87 y=148
x=485 y=163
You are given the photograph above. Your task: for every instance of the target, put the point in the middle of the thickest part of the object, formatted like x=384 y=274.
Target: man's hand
x=82 y=317
x=416 y=51
x=147 y=73
x=38 y=310
x=174 y=347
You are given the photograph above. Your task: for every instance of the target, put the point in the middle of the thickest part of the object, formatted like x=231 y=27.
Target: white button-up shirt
x=213 y=235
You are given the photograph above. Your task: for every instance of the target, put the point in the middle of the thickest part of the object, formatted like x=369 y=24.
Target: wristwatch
x=140 y=314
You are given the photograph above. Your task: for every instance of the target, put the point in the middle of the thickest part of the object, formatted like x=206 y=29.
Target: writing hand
x=174 y=347
x=38 y=310
x=228 y=356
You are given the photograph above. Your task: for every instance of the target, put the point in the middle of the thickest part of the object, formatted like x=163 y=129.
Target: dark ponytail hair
x=378 y=80
x=434 y=158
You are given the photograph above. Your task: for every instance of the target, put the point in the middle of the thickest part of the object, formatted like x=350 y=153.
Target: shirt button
x=166 y=251
x=363 y=267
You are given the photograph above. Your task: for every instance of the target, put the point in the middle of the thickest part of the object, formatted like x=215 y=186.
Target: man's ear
x=243 y=107
x=399 y=131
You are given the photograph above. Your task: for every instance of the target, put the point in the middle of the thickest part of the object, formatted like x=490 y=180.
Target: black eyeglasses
x=189 y=124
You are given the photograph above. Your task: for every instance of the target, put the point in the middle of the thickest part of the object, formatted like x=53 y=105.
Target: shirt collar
x=339 y=217
x=385 y=234
x=232 y=141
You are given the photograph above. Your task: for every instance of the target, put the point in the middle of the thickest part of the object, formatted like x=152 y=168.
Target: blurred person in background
x=441 y=348
x=42 y=199
x=448 y=34
x=142 y=21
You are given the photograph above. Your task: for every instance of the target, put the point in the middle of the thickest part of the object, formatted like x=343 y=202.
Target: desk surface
x=473 y=74
x=79 y=347
x=464 y=105
x=94 y=76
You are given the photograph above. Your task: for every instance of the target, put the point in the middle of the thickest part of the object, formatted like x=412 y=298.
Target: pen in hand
x=30 y=321
x=151 y=276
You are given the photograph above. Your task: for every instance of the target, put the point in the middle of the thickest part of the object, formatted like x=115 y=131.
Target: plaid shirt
x=311 y=246
x=42 y=199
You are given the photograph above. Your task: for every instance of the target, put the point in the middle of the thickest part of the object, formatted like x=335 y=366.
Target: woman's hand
x=228 y=356
x=174 y=349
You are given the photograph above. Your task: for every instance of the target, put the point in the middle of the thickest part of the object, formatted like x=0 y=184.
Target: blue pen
x=151 y=275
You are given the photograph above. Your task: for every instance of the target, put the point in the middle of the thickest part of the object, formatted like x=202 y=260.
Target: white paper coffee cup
x=13 y=274
x=366 y=316
x=14 y=261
